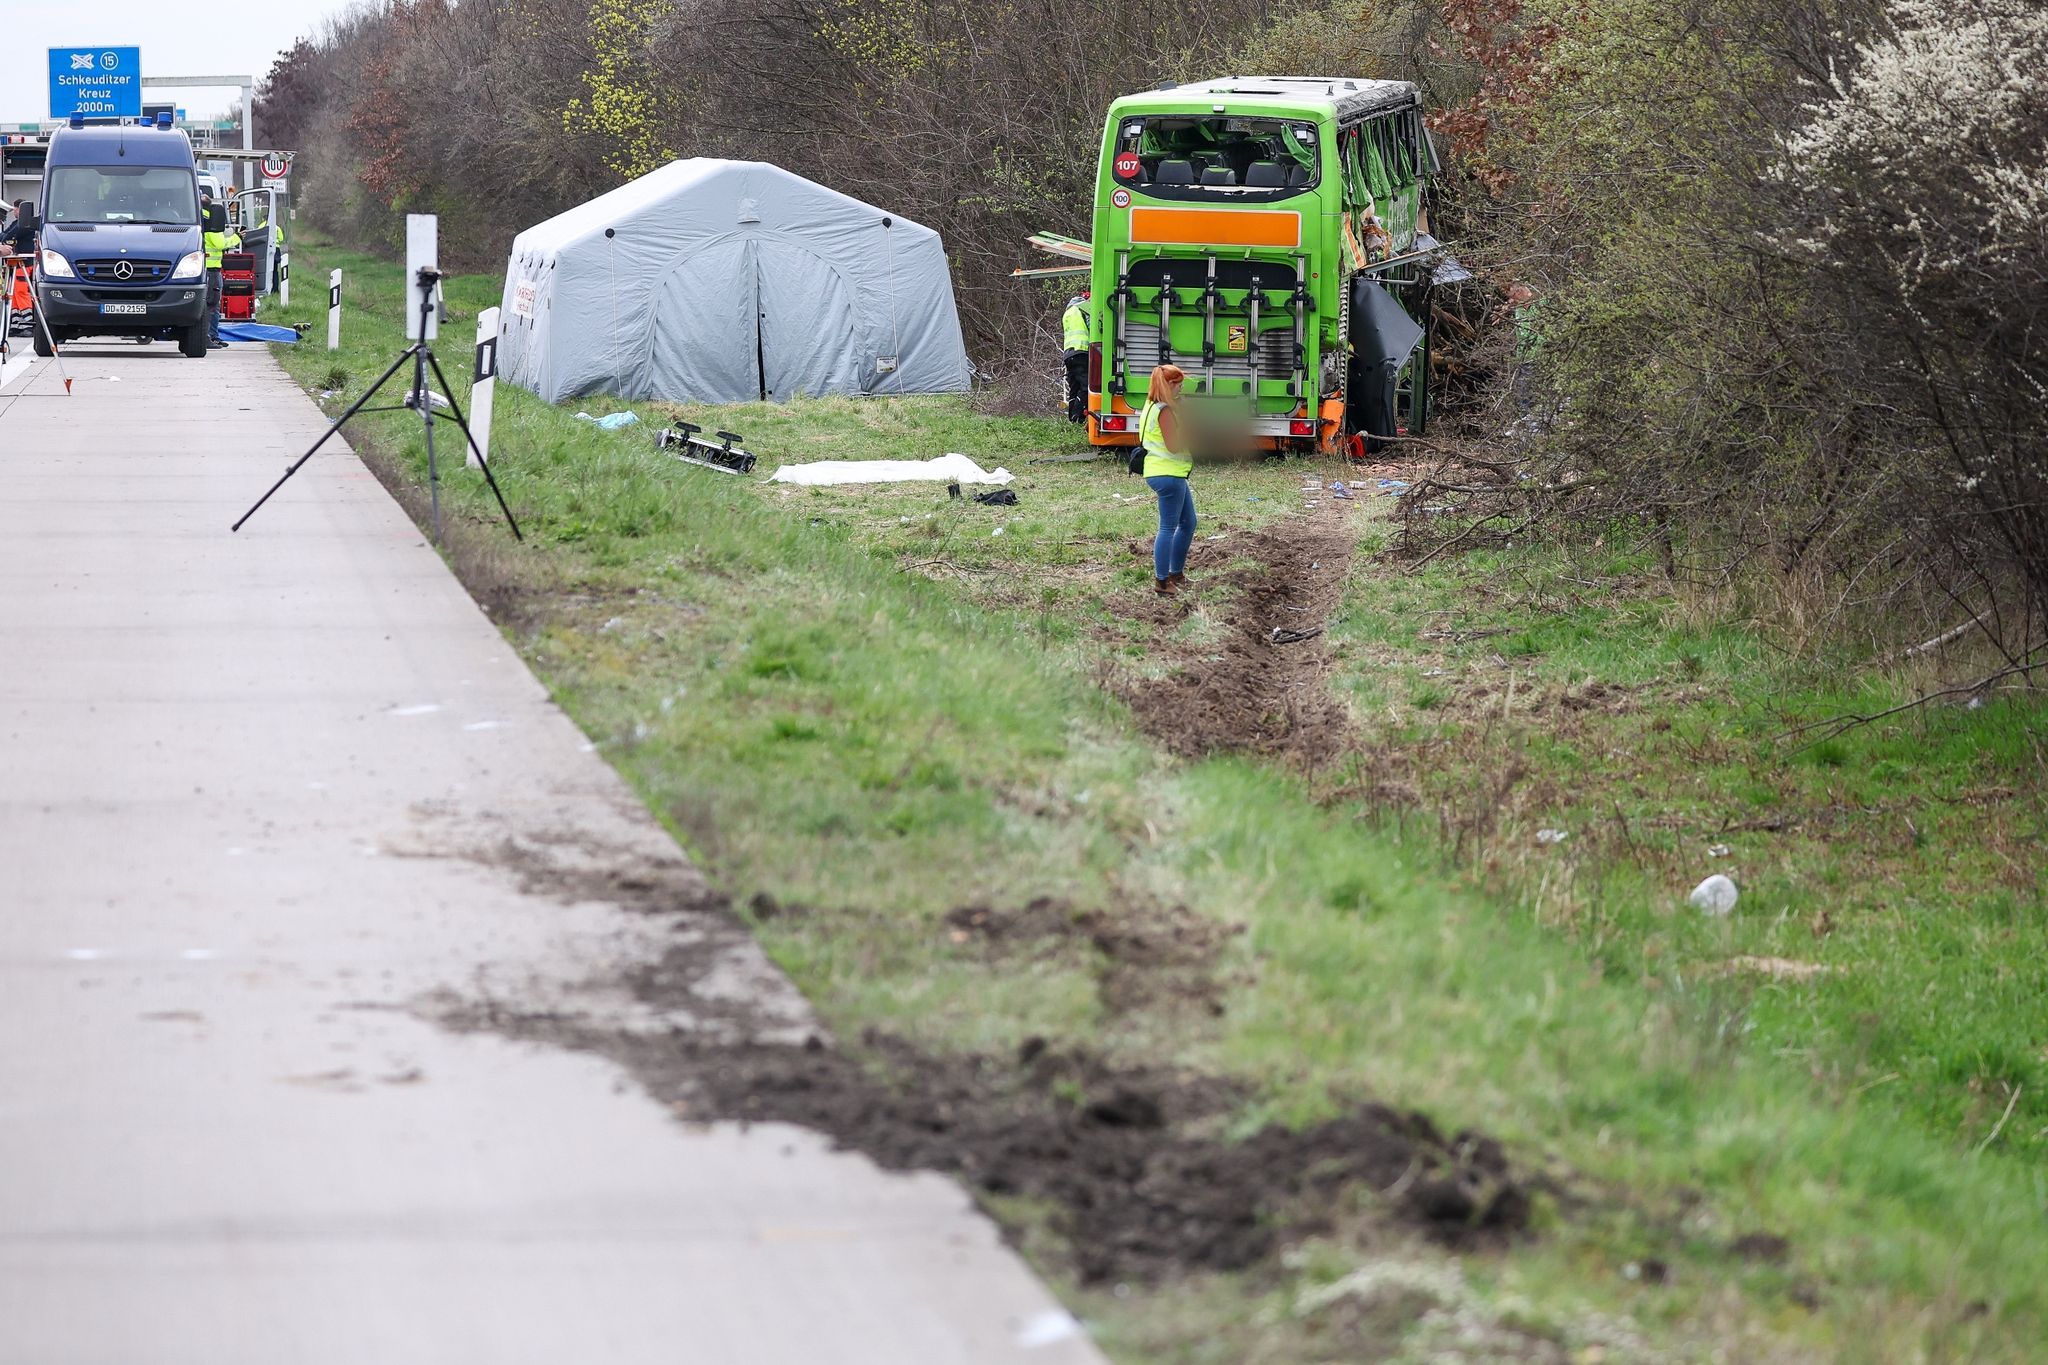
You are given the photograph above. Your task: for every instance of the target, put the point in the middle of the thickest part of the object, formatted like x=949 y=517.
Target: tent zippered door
x=760 y=345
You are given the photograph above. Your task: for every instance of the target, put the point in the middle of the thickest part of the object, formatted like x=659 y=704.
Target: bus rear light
x=1114 y=421
x=1301 y=426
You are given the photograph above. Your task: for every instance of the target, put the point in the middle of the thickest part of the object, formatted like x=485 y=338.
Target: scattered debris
x=1283 y=636
x=1718 y=851
x=1049 y=1328
x=996 y=497
x=723 y=454
x=611 y=421
x=1552 y=836
x=1715 y=896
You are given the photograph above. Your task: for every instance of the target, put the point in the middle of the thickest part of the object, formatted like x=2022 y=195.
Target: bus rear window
x=1216 y=156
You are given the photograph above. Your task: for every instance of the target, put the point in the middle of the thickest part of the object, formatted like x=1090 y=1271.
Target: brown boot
x=1163 y=586
x=1178 y=580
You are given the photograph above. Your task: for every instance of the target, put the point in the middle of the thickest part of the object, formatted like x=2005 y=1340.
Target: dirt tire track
x=1251 y=695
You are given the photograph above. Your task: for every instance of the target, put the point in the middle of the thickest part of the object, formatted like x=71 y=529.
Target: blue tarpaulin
x=256 y=331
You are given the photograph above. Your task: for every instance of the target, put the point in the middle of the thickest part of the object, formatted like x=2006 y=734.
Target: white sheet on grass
x=954 y=467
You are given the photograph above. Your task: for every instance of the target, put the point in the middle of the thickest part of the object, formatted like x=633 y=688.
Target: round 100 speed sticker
x=1120 y=198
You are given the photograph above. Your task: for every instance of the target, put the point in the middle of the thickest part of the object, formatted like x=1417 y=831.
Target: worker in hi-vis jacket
x=1074 y=342
x=216 y=237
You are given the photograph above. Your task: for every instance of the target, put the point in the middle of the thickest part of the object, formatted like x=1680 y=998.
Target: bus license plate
x=124 y=309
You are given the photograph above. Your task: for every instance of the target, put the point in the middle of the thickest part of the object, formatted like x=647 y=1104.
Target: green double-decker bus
x=1268 y=235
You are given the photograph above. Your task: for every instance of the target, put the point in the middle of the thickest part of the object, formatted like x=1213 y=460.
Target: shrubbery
x=1791 y=253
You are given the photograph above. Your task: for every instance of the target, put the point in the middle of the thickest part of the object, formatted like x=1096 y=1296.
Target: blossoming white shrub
x=1919 y=183
x=1935 y=133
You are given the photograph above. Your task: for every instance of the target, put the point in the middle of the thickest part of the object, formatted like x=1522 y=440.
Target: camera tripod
x=15 y=273
x=419 y=400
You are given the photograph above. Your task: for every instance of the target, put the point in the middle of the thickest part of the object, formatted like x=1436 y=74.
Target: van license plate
x=124 y=309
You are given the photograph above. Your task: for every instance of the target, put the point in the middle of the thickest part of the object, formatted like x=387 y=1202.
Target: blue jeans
x=1176 y=525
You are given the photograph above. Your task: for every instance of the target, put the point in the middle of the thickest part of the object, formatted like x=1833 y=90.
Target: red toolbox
x=238 y=285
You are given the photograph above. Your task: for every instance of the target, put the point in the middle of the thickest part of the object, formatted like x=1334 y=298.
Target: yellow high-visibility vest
x=1161 y=460
x=1074 y=328
x=217 y=242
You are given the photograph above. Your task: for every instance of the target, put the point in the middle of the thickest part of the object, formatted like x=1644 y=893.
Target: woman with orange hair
x=1167 y=466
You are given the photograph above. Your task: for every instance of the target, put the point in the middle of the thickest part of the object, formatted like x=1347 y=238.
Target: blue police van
x=121 y=252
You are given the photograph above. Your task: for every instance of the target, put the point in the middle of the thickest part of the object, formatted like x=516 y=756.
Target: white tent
x=728 y=282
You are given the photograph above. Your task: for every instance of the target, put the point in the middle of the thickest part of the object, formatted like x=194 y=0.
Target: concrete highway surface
x=275 y=807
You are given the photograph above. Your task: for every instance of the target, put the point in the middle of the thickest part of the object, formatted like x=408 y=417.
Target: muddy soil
x=1132 y=1164
x=1140 y=1181
x=1158 y=958
x=1262 y=688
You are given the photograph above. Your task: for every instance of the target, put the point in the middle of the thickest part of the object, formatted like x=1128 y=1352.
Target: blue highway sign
x=98 y=82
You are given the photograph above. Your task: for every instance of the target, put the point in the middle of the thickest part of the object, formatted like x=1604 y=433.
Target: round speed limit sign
x=274 y=166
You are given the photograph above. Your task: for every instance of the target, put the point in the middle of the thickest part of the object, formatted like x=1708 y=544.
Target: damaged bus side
x=1269 y=235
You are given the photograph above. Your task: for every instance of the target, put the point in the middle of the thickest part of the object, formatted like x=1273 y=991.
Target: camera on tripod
x=424 y=309
x=423 y=315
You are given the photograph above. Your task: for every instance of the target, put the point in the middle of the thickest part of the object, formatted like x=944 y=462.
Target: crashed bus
x=1269 y=235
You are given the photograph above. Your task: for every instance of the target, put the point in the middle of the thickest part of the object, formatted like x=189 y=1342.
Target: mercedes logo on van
x=124 y=270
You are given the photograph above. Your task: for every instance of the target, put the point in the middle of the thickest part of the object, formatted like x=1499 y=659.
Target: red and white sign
x=1126 y=165
x=1120 y=198
x=522 y=298
x=275 y=165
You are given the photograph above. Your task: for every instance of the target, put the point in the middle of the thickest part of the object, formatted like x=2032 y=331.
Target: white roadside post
x=284 y=279
x=486 y=381
x=334 y=311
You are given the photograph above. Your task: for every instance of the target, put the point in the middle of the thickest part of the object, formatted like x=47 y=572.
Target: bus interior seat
x=1218 y=175
x=1297 y=176
x=1264 y=175
x=1176 y=172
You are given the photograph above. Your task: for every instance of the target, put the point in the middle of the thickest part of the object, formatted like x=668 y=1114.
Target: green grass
x=1901 y=857
x=866 y=703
